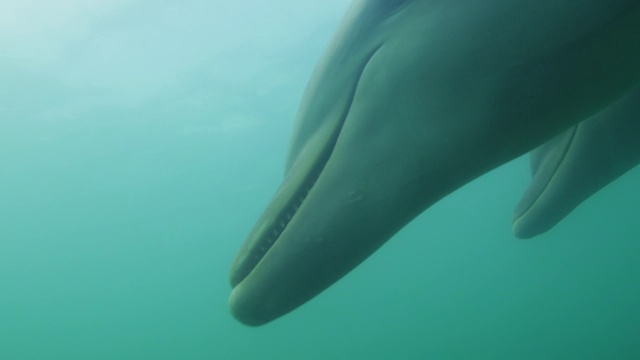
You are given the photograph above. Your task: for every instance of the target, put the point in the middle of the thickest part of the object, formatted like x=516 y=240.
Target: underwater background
x=139 y=142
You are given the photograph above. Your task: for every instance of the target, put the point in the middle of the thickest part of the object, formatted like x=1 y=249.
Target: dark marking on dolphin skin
x=412 y=100
x=578 y=163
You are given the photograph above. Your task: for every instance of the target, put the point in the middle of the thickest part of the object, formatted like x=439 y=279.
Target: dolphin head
x=336 y=204
x=382 y=133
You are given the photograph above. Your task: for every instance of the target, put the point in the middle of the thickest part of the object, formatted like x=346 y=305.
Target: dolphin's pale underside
x=413 y=99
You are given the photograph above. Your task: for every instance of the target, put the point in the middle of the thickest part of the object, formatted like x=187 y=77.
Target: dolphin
x=577 y=163
x=412 y=100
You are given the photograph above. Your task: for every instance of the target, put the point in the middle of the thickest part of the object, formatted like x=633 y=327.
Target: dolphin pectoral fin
x=576 y=164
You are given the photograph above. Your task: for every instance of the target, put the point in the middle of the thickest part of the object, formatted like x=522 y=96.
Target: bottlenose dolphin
x=413 y=99
x=577 y=163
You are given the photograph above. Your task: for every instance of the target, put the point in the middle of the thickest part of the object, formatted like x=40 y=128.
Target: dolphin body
x=413 y=99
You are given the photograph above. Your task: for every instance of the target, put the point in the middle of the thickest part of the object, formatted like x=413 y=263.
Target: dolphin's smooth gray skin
x=413 y=99
x=578 y=163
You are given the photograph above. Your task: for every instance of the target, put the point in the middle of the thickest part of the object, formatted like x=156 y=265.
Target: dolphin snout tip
x=521 y=232
x=245 y=310
x=525 y=227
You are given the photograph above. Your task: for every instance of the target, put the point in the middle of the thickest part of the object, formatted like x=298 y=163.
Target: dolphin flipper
x=577 y=163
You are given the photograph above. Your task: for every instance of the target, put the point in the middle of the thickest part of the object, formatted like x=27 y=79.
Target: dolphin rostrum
x=413 y=99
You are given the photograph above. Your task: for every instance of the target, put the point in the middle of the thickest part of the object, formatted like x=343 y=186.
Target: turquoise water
x=139 y=142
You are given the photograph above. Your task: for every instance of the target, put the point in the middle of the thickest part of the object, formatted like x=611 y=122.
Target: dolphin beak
x=304 y=240
x=259 y=274
x=339 y=223
x=307 y=238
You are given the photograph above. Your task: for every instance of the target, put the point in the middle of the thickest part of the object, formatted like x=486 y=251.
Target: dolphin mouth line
x=273 y=232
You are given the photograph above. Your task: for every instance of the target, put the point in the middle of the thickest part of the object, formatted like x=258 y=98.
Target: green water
x=139 y=142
